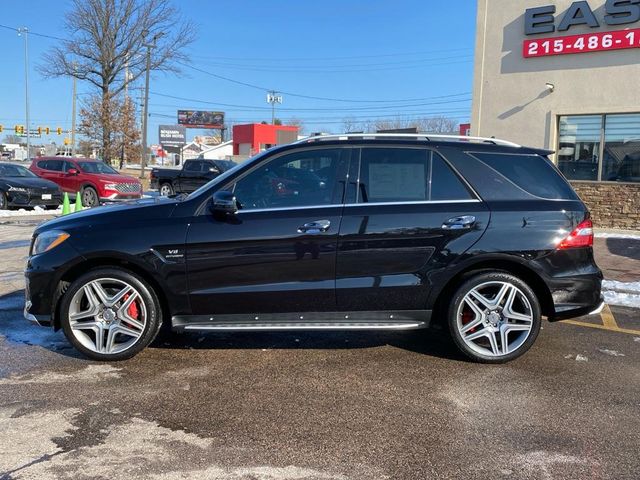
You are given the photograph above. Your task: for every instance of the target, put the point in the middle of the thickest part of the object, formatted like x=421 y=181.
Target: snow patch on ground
x=613 y=353
x=621 y=286
x=628 y=236
x=621 y=299
x=623 y=294
x=90 y=374
x=25 y=213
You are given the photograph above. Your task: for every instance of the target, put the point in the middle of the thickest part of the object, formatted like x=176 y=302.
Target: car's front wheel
x=3 y=201
x=110 y=314
x=494 y=317
x=90 y=197
x=166 y=189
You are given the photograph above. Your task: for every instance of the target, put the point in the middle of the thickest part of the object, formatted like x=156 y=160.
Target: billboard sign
x=172 y=135
x=200 y=119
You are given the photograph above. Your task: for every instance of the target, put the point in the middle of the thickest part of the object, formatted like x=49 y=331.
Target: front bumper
x=42 y=277
x=33 y=199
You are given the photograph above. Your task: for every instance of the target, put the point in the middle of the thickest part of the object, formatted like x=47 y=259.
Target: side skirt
x=386 y=320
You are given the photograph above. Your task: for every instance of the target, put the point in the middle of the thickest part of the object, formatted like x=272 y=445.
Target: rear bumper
x=576 y=296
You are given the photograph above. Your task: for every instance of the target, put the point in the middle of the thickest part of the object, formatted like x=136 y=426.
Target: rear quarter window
x=532 y=173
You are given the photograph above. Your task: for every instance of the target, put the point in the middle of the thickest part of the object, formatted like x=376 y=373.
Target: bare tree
x=296 y=122
x=15 y=139
x=120 y=116
x=108 y=37
x=350 y=125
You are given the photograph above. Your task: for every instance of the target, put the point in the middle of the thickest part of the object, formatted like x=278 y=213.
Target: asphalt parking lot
x=321 y=406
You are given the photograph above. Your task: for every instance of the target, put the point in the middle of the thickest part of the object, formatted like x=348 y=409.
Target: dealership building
x=565 y=76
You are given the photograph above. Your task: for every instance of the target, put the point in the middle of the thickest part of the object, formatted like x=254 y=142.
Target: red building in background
x=255 y=137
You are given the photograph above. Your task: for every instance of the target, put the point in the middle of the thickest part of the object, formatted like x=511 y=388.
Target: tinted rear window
x=532 y=173
x=406 y=175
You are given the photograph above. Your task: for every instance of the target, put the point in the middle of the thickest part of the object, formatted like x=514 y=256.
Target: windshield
x=223 y=177
x=224 y=165
x=96 y=167
x=7 y=170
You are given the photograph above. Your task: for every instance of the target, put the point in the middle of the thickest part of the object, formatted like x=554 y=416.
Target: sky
x=361 y=59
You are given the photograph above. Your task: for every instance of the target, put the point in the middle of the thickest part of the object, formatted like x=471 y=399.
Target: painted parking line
x=608 y=323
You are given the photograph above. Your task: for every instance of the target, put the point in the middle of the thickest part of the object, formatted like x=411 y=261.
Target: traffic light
x=1 y=128
x=19 y=129
x=47 y=130
x=59 y=131
x=39 y=130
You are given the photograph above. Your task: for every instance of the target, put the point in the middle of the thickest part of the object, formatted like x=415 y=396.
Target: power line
x=34 y=33
x=313 y=59
x=453 y=98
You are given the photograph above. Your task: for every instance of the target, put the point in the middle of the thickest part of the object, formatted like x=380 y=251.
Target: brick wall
x=612 y=205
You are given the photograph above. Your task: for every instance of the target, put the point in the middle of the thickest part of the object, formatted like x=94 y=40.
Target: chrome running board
x=403 y=320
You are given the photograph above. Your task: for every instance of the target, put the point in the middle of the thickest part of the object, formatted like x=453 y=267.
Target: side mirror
x=72 y=171
x=224 y=202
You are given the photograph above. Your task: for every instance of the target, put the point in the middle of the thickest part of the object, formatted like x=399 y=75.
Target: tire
x=106 y=332
x=89 y=197
x=3 y=201
x=498 y=305
x=166 y=189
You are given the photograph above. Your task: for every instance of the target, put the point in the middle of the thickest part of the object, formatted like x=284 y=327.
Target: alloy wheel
x=107 y=316
x=495 y=318
x=166 y=190
x=89 y=197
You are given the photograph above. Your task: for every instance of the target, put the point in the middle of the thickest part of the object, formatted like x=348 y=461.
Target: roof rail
x=428 y=137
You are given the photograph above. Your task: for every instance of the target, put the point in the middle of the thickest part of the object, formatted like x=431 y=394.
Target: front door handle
x=319 y=226
x=459 y=223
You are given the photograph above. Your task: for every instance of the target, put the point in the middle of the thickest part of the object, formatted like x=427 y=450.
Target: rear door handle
x=459 y=223
x=313 y=228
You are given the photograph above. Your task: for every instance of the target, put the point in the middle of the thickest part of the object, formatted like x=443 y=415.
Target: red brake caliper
x=133 y=308
x=467 y=317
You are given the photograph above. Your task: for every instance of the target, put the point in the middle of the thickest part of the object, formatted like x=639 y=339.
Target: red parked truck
x=95 y=180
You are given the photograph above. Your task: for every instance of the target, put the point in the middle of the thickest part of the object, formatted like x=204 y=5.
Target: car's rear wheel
x=166 y=189
x=90 y=197
x=110 y=314
x=3 y=201
x=495 y=317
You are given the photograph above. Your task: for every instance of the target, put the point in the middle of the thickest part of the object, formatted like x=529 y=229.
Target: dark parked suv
x=354 y=232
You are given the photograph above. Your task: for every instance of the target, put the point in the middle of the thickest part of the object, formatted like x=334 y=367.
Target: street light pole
x=145 y=119
x=73 y=116
x=25 y=31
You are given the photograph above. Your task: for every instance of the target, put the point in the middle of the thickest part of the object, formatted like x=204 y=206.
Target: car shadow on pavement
x=17 y=330
x=431 y=342
x=624 y=248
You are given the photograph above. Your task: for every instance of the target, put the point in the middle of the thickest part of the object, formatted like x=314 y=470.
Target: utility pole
x=25 y=31
x=143 y=158
x=273 y=98
x=73 y=116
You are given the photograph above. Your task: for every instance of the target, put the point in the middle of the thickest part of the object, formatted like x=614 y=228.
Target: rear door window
x=54 y=165
x=532 y=173
x=396 y=175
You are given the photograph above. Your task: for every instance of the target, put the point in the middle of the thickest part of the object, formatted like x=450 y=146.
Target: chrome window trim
x=312 y=207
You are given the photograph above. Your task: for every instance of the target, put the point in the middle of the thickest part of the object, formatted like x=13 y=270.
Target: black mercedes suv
x=353 y=232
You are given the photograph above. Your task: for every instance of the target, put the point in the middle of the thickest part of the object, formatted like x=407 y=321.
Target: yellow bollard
x=78 y=205
x=66 y=208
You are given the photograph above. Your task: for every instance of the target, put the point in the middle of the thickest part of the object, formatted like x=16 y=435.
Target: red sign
x=588 y=42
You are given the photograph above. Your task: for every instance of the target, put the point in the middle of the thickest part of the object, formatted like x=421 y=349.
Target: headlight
x=18 y=189
x=110 y=186
x=48 y=240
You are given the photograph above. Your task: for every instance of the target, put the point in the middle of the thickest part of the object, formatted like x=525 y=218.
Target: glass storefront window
x=579 y=146
x=600 y=147
x=621 y=159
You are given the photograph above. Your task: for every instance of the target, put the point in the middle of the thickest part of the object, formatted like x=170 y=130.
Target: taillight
x=582 y=236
